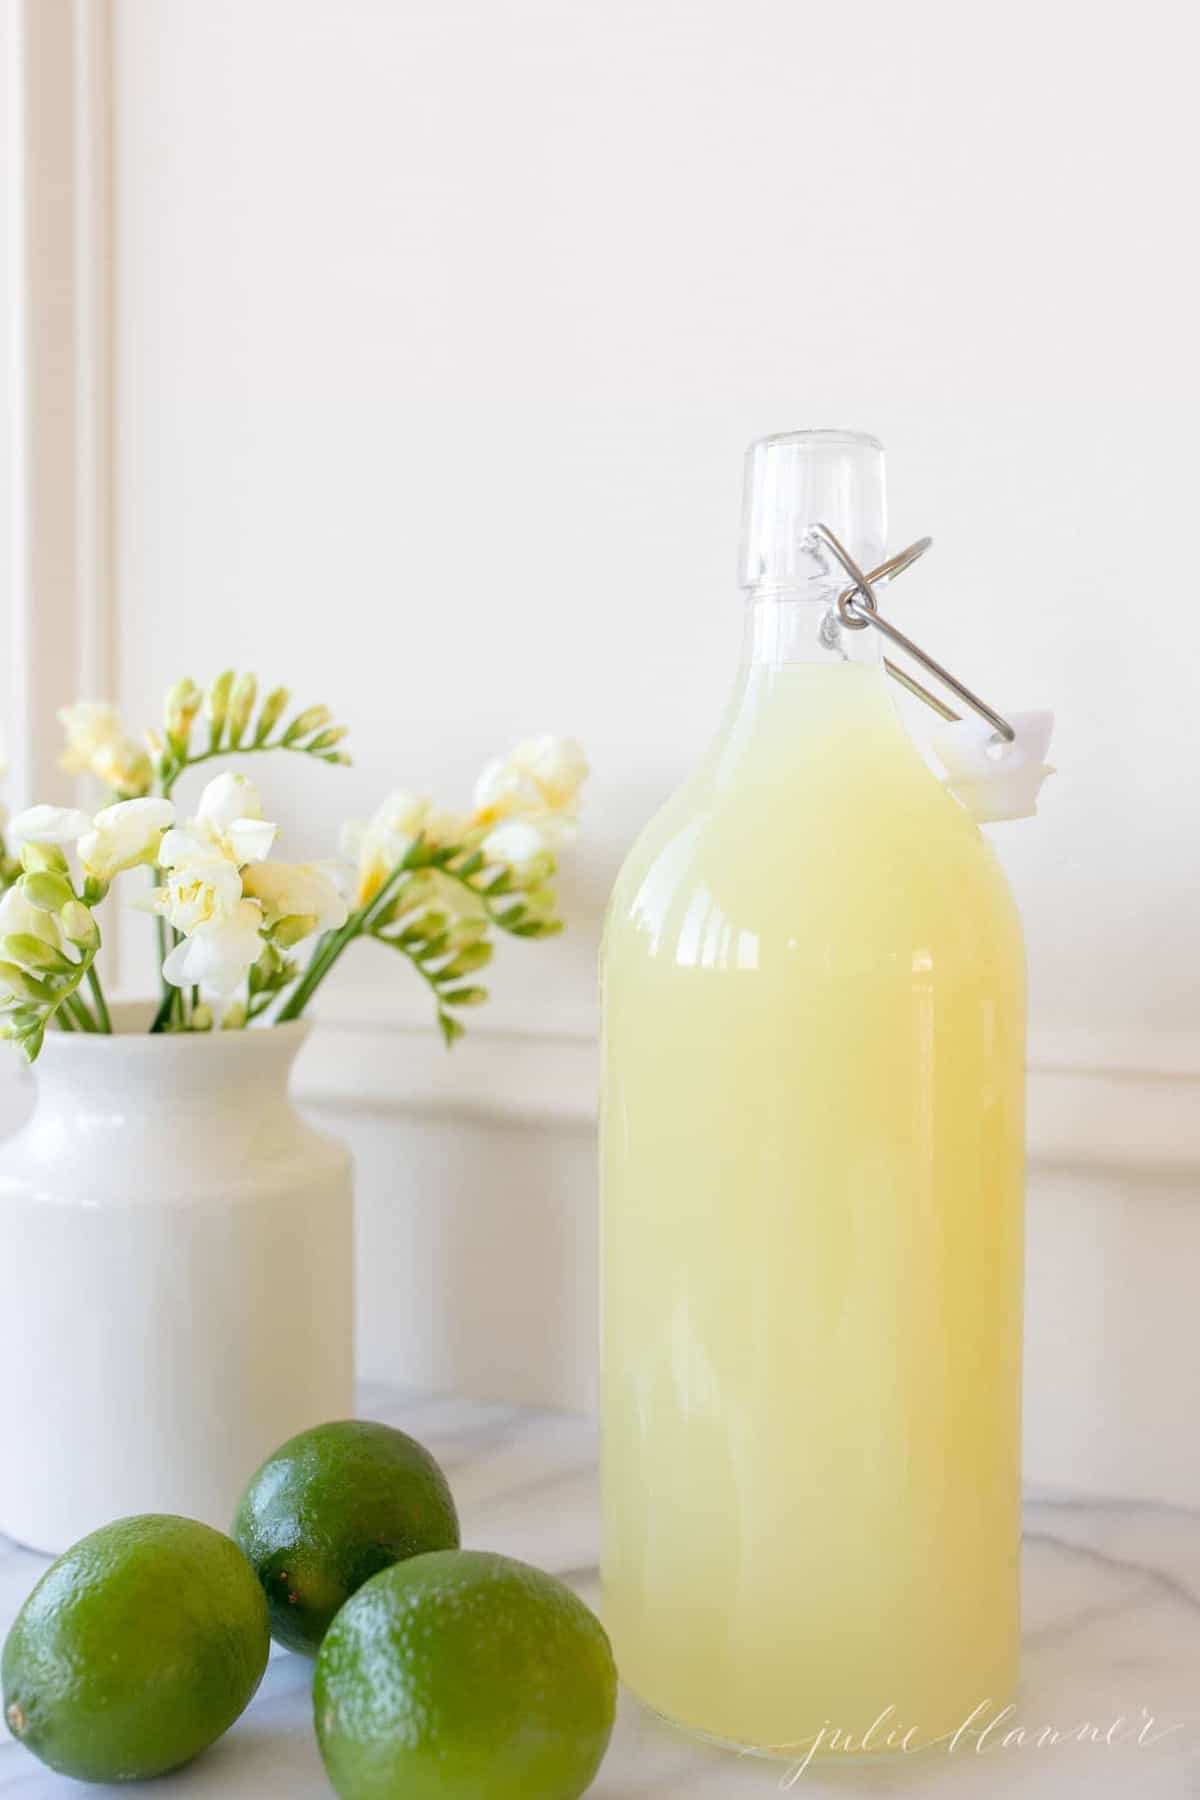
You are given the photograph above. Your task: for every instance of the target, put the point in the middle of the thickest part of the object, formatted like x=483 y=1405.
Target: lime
x=135 y=1650
x=464 y=1676
x=333 y=1507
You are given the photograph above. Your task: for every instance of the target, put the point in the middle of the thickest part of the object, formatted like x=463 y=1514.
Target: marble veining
x=1112 y=1633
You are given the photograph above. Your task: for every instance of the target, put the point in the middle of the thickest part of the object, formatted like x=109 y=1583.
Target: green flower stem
x=162 y=1017
x=332 y=945
x=102 y=1012
x=246 y=749
x=161 y=939
x=74 y=1007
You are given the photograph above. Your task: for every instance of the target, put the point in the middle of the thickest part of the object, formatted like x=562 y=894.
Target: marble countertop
x=1112 y=1633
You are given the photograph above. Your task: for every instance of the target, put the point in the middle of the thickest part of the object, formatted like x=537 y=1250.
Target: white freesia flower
x=203 y=861
x=541 y=774
x=48 y=825
x=91 y=726
x=297 y=891
x=97 y=744
x=516 y=842
x=218 y=954
x=124 y=836
x=230 y=814
x=201 y=884
x=384 y=841
x=530 y=799
x=557 y=766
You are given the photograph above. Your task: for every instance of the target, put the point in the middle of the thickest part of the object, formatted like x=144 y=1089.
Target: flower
x=48 y=825
x=218 y=954
x=540 y=775
x=203 y=892
x=230 y=816
x=292 y=892
x=125 y=767
x=97 y=744
x=384 y=841
x=515 y=842
x=530 y=799
x=90 y=725
x=201 y=883
x=123 y=836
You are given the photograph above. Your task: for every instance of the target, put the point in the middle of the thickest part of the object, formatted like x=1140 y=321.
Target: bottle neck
x=784 y=629
x=804 y=679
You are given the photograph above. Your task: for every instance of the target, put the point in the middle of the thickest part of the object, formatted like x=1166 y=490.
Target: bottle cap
x=799 y=479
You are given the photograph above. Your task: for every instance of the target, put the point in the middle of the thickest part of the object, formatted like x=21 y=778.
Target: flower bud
x=25 y=1028
x=475 y=956
x=537 y=870
x=216 y=701
x=295 y=929
x=234 y=1017
x=313 y=718
x=36 y=858
x=202 y=1018
x=34 y=953
x=48 y=891
x=22 y=985
x=468 y=931
x=270 y=713
x=180 y=707
x=466 y=996
x=79 y=926
x=327 y=739
x=241 y=704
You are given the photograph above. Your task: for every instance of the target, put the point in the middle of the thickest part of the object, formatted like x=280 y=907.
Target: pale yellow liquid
x=812 y=1230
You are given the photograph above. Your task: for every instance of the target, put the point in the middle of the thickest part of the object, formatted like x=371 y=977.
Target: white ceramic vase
x=176 y=1278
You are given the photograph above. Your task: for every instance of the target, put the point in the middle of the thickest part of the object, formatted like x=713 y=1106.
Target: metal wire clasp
x=858 y=607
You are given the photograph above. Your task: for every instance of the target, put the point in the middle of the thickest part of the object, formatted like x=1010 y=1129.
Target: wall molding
x=60 y=166
x=1114 y=1120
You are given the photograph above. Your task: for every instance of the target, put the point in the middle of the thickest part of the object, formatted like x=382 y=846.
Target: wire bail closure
x=858 y=607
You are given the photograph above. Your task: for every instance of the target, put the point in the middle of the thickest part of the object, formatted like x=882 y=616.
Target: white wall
x=443 y=324
x=439 y=328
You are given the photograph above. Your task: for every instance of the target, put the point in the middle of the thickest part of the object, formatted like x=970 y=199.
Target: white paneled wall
x=443 y=324
x=438 y=329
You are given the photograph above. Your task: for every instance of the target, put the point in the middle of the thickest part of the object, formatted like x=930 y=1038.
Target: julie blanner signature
x=986 y=1731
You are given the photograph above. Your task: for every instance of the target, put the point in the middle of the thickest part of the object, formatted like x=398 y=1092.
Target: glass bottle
x=812 y=1177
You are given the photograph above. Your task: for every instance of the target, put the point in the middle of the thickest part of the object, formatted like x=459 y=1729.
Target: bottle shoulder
x=893 y=870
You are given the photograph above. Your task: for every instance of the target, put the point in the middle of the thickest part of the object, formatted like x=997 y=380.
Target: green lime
x=464 y=1676
x=333 y=1507
x=136 y=1650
